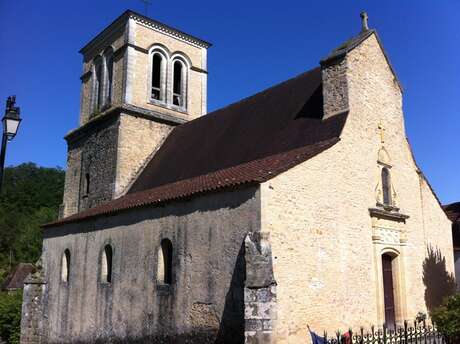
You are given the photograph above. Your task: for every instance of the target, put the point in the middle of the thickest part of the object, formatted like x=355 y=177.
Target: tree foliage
x=447 y=318
x=30 y=197
x=10 y=316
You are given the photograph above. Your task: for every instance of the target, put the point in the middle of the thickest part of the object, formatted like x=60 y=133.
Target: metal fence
x=415 y=333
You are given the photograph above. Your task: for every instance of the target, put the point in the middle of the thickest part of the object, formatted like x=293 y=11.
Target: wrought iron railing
x=416 y=333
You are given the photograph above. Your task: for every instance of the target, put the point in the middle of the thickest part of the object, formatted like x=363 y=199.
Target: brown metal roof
x=247 y=142
x=15 y=280
x=256 y=171
x=284 y=117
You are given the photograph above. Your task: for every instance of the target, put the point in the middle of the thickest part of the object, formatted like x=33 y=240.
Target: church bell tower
x=140 y=79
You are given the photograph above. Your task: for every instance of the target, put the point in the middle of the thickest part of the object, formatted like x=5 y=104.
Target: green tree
x=10 y=316
x=447 y=318
x=31 y=197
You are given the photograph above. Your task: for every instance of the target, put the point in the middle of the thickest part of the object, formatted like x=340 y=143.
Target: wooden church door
x=389 y=300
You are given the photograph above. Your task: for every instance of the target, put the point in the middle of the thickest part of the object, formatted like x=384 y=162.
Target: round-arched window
x=65 y=266
x=164 y=268
x=106 y=264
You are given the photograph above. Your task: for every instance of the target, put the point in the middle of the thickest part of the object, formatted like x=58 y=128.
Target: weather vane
x=147 y=3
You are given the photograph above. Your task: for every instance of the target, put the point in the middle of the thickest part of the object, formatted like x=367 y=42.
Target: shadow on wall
x=439 y=283
x=232 y=323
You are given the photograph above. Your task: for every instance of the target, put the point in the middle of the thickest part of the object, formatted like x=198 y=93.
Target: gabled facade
x=301 y=205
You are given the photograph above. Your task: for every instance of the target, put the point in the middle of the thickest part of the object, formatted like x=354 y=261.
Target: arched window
x=179 y=83
x=386 y=186
x=106 y=264
x=158 y=72
x=164 y=273
x=108 y=57
x=65 y=266
x=98 y=84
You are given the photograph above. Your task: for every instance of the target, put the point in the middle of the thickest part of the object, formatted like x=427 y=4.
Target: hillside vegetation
x=30 y=197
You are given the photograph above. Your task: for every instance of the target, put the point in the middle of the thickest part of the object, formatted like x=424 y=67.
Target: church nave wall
x=205 y=299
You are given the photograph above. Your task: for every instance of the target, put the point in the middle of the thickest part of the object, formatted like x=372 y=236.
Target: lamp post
x=10 y=123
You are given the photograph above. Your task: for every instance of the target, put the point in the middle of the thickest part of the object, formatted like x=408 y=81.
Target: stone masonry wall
x=325 y=260
x=335 y=87
x=99 y=160
x=138 y=141
x=113 y=153
x=116 y=42
x=71 y=198
x=95 y=153
x=203 y=304
x=196 y=97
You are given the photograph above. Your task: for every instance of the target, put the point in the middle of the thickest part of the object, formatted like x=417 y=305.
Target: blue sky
x=256 y=44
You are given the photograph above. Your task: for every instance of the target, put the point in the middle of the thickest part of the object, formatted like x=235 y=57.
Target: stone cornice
x=151 y=114
x=198 y=70
x=168 y=30
x=121 y=50
x=120 y=22
x=117 y=110
x=387 y=214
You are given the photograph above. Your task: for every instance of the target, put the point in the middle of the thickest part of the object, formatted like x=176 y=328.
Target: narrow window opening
x=177 y=85
x=157 y=60
x=65 y=266
x=87 y=183
x=386 y=186
x=106 y=265
x=98 y=87
x=164 y=274
x=109 y=63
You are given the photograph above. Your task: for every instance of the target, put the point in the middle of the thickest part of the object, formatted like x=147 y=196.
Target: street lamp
x=10 y=123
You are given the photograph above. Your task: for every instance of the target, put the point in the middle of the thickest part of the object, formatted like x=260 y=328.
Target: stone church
x=302 y=204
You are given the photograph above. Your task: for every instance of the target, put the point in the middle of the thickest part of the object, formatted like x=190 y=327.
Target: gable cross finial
x=382 y=132
x=364 y=18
